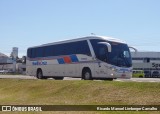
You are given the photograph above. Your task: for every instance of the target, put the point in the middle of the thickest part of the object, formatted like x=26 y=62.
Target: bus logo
x=39 y=63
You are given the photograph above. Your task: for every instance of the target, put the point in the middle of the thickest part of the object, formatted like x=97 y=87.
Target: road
x=66 y=78
x=139 y=80
x=17 y=77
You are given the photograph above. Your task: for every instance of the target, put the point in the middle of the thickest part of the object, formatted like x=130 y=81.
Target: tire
x=39 y=74
x=87 y=74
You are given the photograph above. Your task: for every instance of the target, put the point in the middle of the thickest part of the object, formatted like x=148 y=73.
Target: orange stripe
x=67 y=59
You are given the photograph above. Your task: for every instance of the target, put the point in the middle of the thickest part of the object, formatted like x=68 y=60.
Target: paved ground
x=140 y=80
x=66 y=78
x=17 y=76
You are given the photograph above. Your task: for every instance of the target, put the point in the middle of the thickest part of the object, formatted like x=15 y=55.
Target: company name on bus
x=39 y=63
x=155 y=65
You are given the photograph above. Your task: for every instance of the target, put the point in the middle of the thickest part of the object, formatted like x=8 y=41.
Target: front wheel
x=87 y=75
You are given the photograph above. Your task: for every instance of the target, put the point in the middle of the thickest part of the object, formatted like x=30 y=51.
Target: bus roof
x=83 y=38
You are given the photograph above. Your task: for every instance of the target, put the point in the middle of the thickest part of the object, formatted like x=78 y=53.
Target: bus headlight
x=111 y=74
x=113 y=69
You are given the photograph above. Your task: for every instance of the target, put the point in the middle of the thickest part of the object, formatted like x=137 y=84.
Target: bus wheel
x=39 y=74
x=87 y=74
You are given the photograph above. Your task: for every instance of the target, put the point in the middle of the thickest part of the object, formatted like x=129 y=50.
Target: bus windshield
x=120 y=55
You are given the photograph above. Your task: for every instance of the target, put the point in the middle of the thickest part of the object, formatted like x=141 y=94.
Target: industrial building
x=3 y=58
x=147 y=61
x=6 y=63
x=10 y=64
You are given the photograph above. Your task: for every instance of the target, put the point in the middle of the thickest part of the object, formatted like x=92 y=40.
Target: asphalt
x=67 y=78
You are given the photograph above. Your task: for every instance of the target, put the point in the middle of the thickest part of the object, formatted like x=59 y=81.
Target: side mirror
x=107 y=44
x=133 y=49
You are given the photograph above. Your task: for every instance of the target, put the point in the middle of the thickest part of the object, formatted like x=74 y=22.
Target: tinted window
x=102 y=53
x=40 y=52
x=146 y=60
x=29 y=53
x=80 y=47
x=95 y=46
x=48 y=51
x=33 y=53
x=119 y=56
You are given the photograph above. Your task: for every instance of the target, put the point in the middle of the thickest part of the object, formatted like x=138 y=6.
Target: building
x=3 y=58
x=147 y=61
x=6 y=63
x=12 y=64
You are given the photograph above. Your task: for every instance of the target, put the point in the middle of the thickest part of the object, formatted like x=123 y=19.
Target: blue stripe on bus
x=74 y=58
x=60 y=61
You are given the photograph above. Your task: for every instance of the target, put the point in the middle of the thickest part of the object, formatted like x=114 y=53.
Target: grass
x=79 y=92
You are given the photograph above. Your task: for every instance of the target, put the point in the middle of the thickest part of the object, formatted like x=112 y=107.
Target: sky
x=27 y=23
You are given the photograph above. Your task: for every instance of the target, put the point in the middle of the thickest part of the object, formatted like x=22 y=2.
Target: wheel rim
x=39 y=75
x=87 y=75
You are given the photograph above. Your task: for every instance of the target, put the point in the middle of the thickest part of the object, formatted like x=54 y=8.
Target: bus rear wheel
x=86 y=74
x=39 y=74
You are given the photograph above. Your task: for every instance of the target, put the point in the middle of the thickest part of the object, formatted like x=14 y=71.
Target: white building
x=5 y=62
x=3 y=58
x=10 y=64
x=147 y=61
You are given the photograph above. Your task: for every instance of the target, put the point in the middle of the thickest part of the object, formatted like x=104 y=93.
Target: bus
x=91 y=57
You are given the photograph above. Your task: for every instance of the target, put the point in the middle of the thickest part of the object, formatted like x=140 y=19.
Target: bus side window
x=29 y=53
x=102 y=53
x=33 y=53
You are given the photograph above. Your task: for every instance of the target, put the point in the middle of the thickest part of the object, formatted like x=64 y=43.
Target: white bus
x=91 y=57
